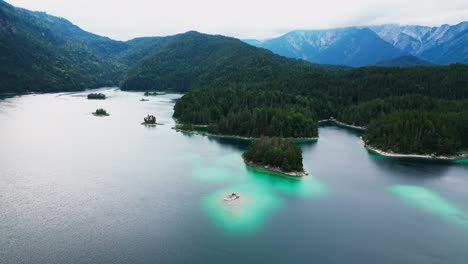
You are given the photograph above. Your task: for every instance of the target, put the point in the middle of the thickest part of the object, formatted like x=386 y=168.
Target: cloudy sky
x=243 y=18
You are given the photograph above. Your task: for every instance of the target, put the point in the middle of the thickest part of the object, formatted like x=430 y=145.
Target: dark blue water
x=75 y=188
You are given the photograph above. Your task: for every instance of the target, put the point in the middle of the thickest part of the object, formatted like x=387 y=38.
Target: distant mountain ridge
x=43 y=53
x=361 y=46
x=441 y=45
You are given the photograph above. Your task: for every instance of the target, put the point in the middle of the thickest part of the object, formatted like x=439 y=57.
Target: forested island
x=100 y=112
x=96 y=96
x=275 y=154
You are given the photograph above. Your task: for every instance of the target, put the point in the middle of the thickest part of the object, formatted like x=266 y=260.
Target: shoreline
x=154 y=124
x=226 y=136
x=339 y=123
x=416 y=156
x=292 y=174
x=233 y=136
x=194 y=132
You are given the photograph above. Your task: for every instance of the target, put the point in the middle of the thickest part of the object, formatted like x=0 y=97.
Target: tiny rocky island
x=100 y=112
x=275 y=154
x=96 y=96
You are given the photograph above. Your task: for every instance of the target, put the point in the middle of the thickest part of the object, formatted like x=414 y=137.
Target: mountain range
x=362 y=46
x=44 y=53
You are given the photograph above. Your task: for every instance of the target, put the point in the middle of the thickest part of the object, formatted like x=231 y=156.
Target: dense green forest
x=420 y=132
x=96 y=96
x=362 y=114
x=253 y=110
x=275 y=152
x=251 y=113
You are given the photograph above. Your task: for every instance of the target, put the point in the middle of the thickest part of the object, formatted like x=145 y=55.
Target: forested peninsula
x=416 y=110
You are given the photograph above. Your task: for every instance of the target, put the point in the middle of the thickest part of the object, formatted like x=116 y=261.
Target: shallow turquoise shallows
x=431 y=202
x=76 y=188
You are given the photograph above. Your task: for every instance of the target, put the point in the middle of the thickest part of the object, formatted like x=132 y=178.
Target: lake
x=76 y=188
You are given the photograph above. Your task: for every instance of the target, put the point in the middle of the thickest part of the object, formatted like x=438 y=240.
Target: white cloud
x=243 y=18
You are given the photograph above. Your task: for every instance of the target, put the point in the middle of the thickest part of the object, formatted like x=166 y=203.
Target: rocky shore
x=332 y=120
x=417 y=156
x=275 y=170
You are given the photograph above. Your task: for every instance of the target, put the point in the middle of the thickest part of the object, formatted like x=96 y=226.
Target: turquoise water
x=260 y=190
x=75 y=188
x=431 y=202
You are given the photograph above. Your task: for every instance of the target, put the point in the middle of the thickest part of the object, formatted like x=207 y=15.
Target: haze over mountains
x=361 y=46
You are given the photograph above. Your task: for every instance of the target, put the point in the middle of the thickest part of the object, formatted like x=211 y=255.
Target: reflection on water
x=412 y=168
x=236 y=143
x=431 y=202
x=305 y=187
x=463 y=161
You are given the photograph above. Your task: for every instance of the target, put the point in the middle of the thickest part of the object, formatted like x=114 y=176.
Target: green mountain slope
x=193 y=60
x=39 y=52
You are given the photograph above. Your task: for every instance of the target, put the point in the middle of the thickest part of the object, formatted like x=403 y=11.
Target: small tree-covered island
x=100 y=112
x=275 y=154
x=149 y=120
x=96 y=96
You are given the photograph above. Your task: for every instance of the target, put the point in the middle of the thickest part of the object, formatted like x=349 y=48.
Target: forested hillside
x=39 y=52
x=194 y=60
x=43 y=53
